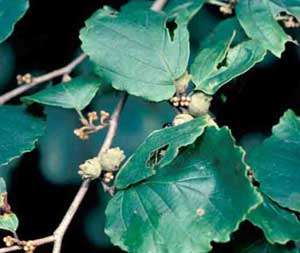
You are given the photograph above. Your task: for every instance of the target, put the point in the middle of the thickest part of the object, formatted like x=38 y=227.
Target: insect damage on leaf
x=156 y=156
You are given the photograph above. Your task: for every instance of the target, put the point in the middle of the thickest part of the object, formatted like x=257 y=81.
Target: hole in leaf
x=171 y=27
x=156 y=156
x=223 y=63
x=251 y=176
x=166 y=125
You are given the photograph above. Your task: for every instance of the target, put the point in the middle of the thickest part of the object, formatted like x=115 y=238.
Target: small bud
x=176 y=104
x=108 y=176
x=199 y=104
x=9 y=241
x=27 y=78
x=112 y=159
x=174 y=99
x=19 y=79
x=182 y=118
x=91 y=168
x=66 y=78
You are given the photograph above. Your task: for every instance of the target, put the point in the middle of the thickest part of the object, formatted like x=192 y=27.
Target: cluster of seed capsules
x=24 y=79
x=27 y=246
x=183 y=101
x=88 y=124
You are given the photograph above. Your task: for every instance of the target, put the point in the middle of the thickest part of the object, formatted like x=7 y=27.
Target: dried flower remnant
x=24 y=79
x=89 y=126
x=28 y=246
x=9 y=241
x=182 y=101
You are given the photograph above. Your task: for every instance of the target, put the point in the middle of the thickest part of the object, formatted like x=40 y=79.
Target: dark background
x=47 y=38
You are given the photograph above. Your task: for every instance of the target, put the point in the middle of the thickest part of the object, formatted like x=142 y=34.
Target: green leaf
x=139 y=167
x=257 y=20
x=263 y=246
x=172 y=8
x=18 y=132
x=276 y=163
x=75 y=94
x=176 y=7
x=186 y=204
x=212 y=53
x=292 y=7
x=223 y=32
x=8 y=220
x=135 y=51
x=279 y=225
x=238 y=61
x=11 y=11
x=7 y=66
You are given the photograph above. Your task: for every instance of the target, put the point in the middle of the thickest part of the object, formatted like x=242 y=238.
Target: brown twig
x=63 y=226
x=158 y=5
x=218 y=3
x=41 y=79
x=113 y=124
